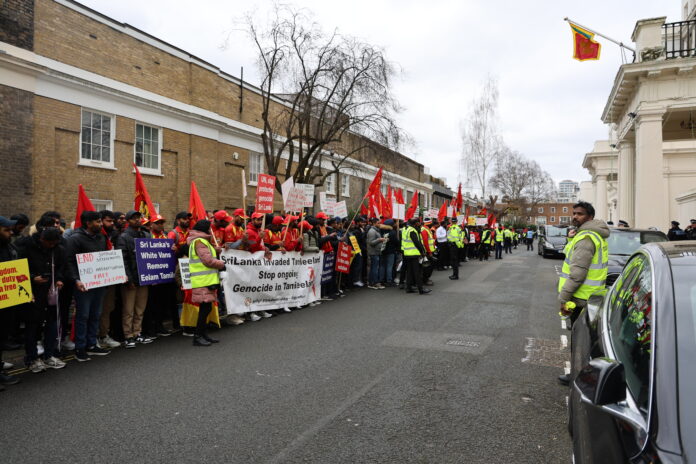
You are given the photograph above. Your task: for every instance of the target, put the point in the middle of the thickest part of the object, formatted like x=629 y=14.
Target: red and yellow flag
x=584 y=45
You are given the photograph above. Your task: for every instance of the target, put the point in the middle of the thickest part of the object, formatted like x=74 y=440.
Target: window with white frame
x=553 y=209
x=330 y=184
x=255 y=167
x=101 y=205
x=565 y=209
x=96 y=139
x=148 y=148
x=564 y=219
x=541 y=220
x=553 y=219
x=541 y=210
x=345 y=185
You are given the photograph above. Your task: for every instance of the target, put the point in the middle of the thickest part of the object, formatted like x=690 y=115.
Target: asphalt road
x=464 y=375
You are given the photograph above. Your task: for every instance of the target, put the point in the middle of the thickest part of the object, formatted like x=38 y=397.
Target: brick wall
x=16 y=126
x=17 y=23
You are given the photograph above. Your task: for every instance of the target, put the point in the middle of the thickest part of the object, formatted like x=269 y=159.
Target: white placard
x=460 y=219
x=309 y=194
x=101 y=268
x=185 y=273
x=295 y=199
x=340 y=209
x=285 y=189
x=326 y=204
x=433 y=213
x=287 y=280
x=481 y=221
x=398 y=211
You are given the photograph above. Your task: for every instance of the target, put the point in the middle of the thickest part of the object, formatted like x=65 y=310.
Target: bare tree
x=481 y=141
x=541 y=186
x=325 y=96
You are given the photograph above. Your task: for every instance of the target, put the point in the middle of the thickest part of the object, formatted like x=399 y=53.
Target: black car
x=633 y=358
x=623 y=242
x=552 y=240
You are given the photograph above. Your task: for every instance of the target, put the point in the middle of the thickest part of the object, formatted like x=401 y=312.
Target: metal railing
x=680 y=39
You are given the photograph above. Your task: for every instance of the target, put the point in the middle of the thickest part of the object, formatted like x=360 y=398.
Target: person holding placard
x=86 y=239
x=7 y=253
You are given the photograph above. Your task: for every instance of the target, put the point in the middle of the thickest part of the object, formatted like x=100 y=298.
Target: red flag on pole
x=399 y=196
x=363 y=210
x=443 y=212
x=196 y=207
x=142 y=204
x=483 y=212
x=375 y=184
x=460 y=200
x=414 y=206
x=491 y=219
x=373 y=207
x=83 y=204
x=386 y=209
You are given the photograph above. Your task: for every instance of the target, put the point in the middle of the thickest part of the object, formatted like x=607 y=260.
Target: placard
x=155 y=260
x=185 y=273
x=309 y=194
x=340 y=209
x=356 y=246
x=481 y=221
x=328 y=268
x=101 y=268
x=285 y=188
x=398 y=210
x=460 y=219
x=254 y=283
x=326 y=204
x=432 y=213
x=265 y=188
x=345 y=253
x=15 y=283
x=295 y=199
x=471 y=221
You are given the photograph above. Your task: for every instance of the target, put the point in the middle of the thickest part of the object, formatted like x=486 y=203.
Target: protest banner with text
x=15 y=283
x=265 y=187
x=101 y=268
x=155 y=260
x=345 y=253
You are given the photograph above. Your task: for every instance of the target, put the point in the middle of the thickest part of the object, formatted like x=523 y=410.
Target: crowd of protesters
x=65 y=316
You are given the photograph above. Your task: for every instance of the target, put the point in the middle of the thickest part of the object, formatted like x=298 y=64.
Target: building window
x=101 y=205
x=541 y=220
x=147 y=149
x=553 y=209
x=564 y=220
x=255 y=167
x=553 y=219
x=345 y=185
x=565 y=209
x=541 y=210
x=95 y=137
x=330 y=184
x=529 y=209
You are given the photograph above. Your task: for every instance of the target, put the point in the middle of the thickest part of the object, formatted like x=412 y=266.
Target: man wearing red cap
x=157 y=226
x=273 y=236
x=293 y=240
x=220 y=221
x=255 y=243
x=234 y=233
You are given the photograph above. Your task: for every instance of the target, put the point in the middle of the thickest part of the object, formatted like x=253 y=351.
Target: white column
x=601 y=197
x=651 y=206
x=626 y=194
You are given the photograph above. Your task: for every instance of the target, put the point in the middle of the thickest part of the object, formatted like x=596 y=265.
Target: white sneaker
x=37 y=366
x=253 y=317
x=54 y=363
x=39 y=348
x=235 y=319
x=68 y=344
x=287 y=310
x=265 y=314
x=108 y=342
x=6 y=365
x=359 y=283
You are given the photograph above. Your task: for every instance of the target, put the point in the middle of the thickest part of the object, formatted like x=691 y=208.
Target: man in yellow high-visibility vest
x=584 y=270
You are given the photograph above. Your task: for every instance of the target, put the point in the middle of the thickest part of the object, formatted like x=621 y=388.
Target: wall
x=17 y=23
x=16 y=123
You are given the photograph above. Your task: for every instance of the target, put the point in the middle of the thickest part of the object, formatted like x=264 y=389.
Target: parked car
x=623 y=243
x=551 y=240
x=632 y=366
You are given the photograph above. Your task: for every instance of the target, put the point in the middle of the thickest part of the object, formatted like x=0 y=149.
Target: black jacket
x=7 y=252
x=39 y=259
x=81 y=242
x=126 y=243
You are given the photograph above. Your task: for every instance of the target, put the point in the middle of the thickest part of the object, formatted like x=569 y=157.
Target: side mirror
x=601 y=382
x=594 y=304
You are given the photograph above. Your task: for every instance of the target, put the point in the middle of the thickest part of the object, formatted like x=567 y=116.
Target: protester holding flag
x=205 y=280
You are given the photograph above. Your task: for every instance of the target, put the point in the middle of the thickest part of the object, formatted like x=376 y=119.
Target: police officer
x=584 y=270
x=413 y=250
x=455 y=239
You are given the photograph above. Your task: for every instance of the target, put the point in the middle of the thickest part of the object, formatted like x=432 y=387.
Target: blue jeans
x=356 y=268
x=386 y=268
x=87 y=314
x=374 y=269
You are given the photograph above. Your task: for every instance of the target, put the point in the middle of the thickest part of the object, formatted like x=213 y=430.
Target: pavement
x=466 y=374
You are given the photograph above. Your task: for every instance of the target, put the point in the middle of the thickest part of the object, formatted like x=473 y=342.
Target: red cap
x=277 y=220
x=256 y=215
x=306 y=225
x=240 y=212
x=157 y=218
x=289 y=218
x=322 y=215
x=222 y=216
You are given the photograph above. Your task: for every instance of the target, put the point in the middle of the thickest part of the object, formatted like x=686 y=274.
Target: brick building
x=556 y=214
x=83 y=97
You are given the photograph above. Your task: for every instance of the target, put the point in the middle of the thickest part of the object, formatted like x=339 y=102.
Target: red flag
x=467 y=215
x=459 y=200
x=491 y=219
x=143 y=204
x=83 y=204
x=196 y=207
x=375 y=184
x=414 y=206
x=483 y=212
x=373 y=206
x=386 y=209
x=443 y=212
x=363 y=210
x=399 y=195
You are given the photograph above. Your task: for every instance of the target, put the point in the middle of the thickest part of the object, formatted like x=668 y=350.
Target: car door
x=629 y=334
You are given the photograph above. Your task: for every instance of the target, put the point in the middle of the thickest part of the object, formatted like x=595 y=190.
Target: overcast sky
x=550 y=104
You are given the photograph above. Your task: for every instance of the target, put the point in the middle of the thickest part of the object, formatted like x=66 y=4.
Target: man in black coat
x=7 y=253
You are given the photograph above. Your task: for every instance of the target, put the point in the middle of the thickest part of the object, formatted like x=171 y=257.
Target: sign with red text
x=15 y=283
x=265 y=188
x=101 y=268
x=295 y=200
x=345 y=252
x=340 y=209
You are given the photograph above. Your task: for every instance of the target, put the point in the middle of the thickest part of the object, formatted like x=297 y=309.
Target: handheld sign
x=101 y=268
x=15 y=283
x=343 y=258
x=155 y=260
x=265 y=187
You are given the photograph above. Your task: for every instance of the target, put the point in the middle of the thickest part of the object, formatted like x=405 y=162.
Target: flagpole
x=620 y=44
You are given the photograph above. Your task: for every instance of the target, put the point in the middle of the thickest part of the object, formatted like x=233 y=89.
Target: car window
x=630 y=326
x=652 y=237
x=623 y=243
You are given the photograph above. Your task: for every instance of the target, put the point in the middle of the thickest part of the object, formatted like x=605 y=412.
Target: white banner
x=256 y=284
x=101 y=268
x=285 y=189
x=481 y=221
x=398 y=210
x=432 y=213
